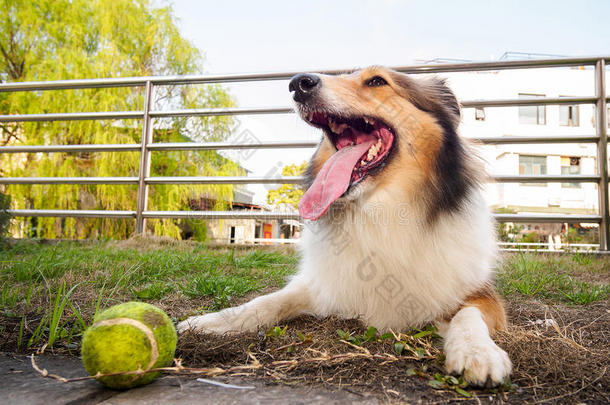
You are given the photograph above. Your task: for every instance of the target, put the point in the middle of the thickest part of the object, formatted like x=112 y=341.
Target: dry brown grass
x=564 y=362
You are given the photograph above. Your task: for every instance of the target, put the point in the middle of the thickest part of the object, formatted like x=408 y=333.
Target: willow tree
x=70 y=39
x=287 y=196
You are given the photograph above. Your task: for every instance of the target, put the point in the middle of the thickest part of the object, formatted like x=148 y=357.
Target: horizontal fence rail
x=68 y=180
x=146 y=146
x=565 y=178
x=229 y=78
x=264 y=215
x=134 y=147
x=73 y=213
x=224 y=180
x=228 y=145
x=209 y=112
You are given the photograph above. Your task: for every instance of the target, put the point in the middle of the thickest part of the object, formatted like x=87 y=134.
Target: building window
x=479 y=114
x=569 y=115
x=570 y=165
x=232 y=235
x=535 y=114
x=532 y=165
x=236 y=234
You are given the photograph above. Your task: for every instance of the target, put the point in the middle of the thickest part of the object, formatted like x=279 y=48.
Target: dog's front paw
x=209 y=323
x=480 y=363
x=230 y=320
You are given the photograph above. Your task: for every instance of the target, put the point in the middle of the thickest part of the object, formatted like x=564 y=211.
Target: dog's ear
x=432 y=95
x=444 y=97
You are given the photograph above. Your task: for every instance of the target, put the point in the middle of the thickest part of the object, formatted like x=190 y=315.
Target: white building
x=549 y=120
x=535 y=159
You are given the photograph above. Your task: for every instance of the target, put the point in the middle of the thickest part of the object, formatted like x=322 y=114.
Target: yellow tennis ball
x=128 y=337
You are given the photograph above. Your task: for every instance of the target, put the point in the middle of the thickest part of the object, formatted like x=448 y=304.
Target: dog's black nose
x=304 y=85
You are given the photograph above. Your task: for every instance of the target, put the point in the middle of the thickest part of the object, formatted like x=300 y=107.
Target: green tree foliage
x=288 y=195
x=5 y=202
x=70 y=39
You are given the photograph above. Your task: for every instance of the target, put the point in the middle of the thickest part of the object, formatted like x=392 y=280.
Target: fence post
x=144 y=171
x=601 y=122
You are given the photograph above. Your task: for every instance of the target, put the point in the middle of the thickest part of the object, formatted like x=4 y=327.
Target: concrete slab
x=22 y=385
x=192 y=392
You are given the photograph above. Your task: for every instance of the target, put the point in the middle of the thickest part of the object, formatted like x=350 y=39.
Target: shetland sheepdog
x=397 y=232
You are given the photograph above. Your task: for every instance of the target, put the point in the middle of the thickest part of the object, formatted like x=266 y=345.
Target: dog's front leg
x=469 y=349
x=292 y=300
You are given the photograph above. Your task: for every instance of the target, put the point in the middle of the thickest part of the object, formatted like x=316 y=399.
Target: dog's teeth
x=336 y=128
x=369 y=121
x=333 y=126
x=373 y=151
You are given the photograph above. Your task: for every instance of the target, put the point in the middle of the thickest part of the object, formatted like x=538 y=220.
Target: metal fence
x=146 y=146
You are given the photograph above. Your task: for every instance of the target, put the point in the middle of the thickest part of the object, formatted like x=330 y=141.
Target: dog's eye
x=376 y=81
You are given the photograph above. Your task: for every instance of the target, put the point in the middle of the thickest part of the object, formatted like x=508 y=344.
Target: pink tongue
x=332 y=180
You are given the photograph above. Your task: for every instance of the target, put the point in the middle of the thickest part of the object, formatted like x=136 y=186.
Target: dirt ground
x=561 y=361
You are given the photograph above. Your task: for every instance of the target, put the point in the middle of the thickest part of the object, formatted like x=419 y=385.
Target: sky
x=261 y=36
x=250 y=36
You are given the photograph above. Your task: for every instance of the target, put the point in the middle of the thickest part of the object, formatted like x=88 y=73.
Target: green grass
x=130 y=273
x=52 y=291
x=556 y=278
x=221 y=287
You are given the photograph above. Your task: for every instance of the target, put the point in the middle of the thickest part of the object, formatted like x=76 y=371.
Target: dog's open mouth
x=362 y=144
x=355 y=131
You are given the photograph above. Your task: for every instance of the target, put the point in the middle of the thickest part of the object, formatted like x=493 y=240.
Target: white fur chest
x=392 y=272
